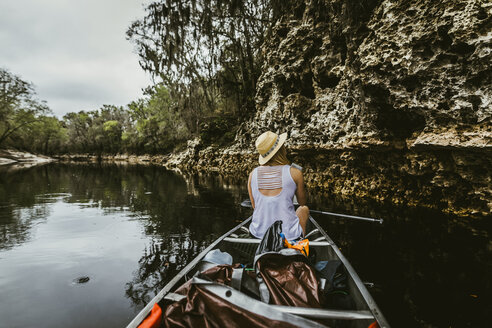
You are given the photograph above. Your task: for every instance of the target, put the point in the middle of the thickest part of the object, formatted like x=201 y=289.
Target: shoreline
x=452 y=181
x=22 y=158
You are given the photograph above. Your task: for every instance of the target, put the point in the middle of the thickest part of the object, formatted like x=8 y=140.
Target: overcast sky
x=74 y=51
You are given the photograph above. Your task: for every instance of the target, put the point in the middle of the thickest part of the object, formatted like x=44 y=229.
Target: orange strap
x=154 y=319
x=302 y=246
x=374 y=325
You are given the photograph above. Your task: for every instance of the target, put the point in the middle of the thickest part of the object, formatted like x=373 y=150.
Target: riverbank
x=453 y=180
x=21 y=158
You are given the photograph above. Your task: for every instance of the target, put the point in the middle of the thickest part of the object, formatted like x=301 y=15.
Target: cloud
x=75 y=52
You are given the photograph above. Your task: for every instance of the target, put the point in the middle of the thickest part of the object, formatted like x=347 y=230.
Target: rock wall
x=348 y=73
x=390 y=100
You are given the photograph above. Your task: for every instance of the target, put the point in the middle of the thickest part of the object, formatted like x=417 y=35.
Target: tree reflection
x=183 y=219
x=179 y=215
x=19 y=207
x=16 y=224
x=160 y=262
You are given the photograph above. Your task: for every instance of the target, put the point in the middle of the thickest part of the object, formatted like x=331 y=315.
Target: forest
x=204 y=58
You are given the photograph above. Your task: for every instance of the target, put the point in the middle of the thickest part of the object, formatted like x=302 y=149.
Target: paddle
x=247 y=203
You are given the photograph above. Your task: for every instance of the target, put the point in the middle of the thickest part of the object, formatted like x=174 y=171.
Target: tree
x=78 y=125
x=164 y=110
x=206 y=52
x=47 y=135
x=18 y=106
x=98 y=131
x=158 y=125
x=112 y=131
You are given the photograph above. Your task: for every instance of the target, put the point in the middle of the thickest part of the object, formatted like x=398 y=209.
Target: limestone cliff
x=383 y=99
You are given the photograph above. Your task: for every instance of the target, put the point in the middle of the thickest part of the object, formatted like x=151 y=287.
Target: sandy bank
x=15 y=157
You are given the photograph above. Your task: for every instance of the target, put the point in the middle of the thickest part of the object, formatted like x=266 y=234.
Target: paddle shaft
x=347 y=216
x=247 y=203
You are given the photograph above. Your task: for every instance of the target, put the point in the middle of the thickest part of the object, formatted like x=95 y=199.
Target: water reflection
x=130 y=229
x=183 y=217
x=127 y=229
x=16 y=224
x=19 y=208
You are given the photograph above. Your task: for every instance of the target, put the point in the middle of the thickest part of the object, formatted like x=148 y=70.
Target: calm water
x=88 y=246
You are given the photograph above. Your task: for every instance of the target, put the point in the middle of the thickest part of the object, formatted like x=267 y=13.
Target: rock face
x=346 y=73
x=389 y=100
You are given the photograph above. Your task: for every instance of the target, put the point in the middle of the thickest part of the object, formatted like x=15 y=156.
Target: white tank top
x=269 y=209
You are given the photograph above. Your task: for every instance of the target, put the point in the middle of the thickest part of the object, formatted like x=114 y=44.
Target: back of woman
x=272 y=187
x=269 y=209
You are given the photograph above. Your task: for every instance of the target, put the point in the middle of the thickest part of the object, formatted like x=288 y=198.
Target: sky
x=73 y=51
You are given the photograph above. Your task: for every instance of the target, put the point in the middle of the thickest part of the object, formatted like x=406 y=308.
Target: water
x=89 y=245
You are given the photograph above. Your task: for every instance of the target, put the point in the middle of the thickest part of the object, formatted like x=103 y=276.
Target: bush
x=218 y=130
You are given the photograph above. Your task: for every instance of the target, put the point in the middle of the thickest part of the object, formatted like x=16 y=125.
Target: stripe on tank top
x=269 y=177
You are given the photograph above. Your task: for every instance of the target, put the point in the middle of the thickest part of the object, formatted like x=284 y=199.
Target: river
x=89 y=245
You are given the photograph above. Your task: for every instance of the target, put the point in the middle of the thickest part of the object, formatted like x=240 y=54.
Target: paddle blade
x=246 y=203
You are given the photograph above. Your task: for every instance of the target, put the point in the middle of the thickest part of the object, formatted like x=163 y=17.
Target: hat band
x=271 y=148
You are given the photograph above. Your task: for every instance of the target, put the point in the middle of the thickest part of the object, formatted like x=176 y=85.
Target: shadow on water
x=428 y=269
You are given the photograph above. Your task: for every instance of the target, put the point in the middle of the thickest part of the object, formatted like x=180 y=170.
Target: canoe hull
x=243 y=249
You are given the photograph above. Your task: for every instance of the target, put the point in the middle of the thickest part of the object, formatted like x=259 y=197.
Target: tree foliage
x=206 y=52
x=47 y=135
x=98 y=131
x=151 y=124
x=157 y=124
x=18 y=106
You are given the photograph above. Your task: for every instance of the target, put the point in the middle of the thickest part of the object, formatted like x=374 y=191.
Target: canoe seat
x=312 y=233
x=257 y=241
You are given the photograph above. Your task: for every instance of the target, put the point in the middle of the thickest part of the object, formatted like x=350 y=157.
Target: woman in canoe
x=272 y=187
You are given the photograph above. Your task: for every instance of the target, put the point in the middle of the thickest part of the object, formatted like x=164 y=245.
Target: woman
x=272 y=187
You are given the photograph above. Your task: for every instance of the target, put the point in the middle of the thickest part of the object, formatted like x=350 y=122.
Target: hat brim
x=263 y=160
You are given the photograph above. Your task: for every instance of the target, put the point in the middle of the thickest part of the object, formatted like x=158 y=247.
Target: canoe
x=364 y=313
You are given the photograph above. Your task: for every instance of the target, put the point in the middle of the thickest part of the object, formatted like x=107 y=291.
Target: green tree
x=112 y=131
x=205 y=52
x=47 y=135
x=99 y=131
x=158 y=125
x=18 y=106
x=50 y=134
x=78 y=125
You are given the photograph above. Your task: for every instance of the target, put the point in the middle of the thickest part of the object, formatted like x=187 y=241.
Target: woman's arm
x=299 y=180
x=250 y=192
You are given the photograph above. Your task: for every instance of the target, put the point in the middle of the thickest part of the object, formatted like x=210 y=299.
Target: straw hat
x=268 y=144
